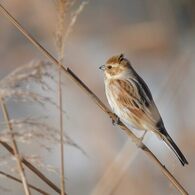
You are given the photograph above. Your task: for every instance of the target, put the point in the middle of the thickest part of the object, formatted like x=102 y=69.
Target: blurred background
x=158 y=38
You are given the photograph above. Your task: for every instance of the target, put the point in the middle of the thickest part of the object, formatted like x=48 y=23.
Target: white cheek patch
x=107 y=75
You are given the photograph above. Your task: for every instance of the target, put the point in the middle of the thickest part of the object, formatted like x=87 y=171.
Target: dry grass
x=19 y=181
x=15 y=147
x=62 y=34
x=17 y=87
x=62 y=6
x=60 y=42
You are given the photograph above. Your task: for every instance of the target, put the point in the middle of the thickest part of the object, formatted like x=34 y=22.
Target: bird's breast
x=113 y=91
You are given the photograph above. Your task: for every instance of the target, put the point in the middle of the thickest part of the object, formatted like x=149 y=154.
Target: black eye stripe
x=109 y=67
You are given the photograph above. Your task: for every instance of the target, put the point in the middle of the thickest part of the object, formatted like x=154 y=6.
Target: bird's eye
x=109 y=67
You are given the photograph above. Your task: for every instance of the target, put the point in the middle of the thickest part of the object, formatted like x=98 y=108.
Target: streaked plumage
x=132 y=101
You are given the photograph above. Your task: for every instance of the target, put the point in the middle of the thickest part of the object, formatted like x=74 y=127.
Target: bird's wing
x=143 y=91
x=136 y=96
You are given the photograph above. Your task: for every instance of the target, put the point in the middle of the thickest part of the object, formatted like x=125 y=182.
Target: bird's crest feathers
x=115 y=59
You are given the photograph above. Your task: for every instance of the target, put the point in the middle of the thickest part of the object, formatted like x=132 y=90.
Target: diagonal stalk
x=71 y=75
x=19 y=181
x=32 y=168
x=15 y=147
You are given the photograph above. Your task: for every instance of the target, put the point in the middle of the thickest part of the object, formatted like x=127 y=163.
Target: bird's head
x=116 y=67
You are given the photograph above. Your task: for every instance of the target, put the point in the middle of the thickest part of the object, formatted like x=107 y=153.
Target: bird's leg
x=115 y=118
x=140 y=142
x=142 y=137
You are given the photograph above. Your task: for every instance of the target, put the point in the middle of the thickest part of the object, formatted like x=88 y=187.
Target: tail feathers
x=168 y=140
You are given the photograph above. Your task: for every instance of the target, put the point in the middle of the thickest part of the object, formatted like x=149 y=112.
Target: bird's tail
x=168 y=140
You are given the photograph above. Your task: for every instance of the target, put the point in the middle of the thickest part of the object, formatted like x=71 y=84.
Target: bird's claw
x=115 y=122
x=115 y=119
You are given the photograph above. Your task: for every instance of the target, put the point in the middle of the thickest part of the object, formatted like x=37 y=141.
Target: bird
x=131 y=100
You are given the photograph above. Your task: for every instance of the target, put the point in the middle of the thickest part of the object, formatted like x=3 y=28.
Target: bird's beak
x=103 y=67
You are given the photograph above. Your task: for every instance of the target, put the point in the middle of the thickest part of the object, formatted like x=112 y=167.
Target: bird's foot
x=115 y=119
x=140 y=142
x=142 y=137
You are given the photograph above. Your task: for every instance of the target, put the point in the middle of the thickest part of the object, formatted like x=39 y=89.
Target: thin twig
x=60 y=46
x=61 y=132
x=71 y=75
x=15 y=147
x=19 y=181
x=61 y=37
x=32 y=168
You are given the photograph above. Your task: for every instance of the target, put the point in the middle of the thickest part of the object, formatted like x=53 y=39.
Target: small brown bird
x=132 y=101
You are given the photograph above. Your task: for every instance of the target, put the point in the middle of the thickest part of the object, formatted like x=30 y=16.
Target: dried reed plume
x=17 y=87
x=61 y=35
x=15 y=147
x=18 y=180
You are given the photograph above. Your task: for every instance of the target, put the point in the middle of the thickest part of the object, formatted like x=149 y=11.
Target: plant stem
x=19 y=181
x=32 y=168
x=15 y=147
x=61 y=133
x=60 y=46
